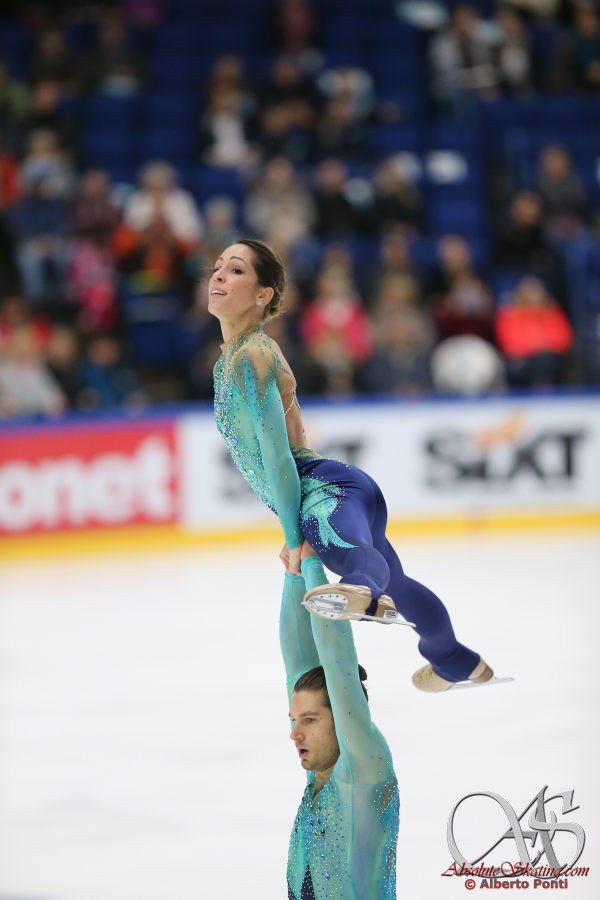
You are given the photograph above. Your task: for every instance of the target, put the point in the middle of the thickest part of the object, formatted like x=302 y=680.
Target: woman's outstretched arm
x=254 y=372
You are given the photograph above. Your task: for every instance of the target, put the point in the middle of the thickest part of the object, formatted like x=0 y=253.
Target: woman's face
x=233 y=288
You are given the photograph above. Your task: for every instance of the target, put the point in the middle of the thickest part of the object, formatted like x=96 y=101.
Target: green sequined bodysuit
x=344 y=839
x=251 y=419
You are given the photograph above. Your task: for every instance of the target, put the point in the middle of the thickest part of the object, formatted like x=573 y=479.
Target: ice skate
x=426 y=679
x=350 y=601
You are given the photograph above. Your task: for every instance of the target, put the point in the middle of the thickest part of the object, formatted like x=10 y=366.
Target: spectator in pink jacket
x=337 y=310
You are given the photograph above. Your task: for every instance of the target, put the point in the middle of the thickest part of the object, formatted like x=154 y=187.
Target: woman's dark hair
x=270 y=272
x=314 y=680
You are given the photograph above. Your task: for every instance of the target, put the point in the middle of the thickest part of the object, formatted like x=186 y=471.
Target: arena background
x=430 y=173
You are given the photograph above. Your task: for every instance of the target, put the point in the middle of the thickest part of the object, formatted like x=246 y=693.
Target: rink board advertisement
x=432 y=459
x=76 y=477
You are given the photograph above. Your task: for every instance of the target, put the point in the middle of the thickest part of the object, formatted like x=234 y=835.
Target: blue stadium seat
x=176 y=69
x=107 y=146
x=173 y=144
x=108 y=111
x=152 y=326
x=171 y=106
x=209 y=181
x=15 y=47
x=390 y=139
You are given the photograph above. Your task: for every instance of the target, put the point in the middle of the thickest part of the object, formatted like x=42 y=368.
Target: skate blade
x=329 y=607
x=477 y=684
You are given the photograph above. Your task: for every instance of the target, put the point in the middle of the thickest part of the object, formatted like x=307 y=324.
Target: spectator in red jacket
x=534 y=334
x=337 y=310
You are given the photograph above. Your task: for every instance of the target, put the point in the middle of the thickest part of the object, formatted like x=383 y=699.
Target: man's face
x=313 y=731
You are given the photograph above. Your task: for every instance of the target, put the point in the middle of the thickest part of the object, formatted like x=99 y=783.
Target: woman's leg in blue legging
x=360 y=520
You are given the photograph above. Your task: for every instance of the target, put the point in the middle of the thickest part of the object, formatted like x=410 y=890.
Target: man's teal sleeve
x=364 y=753
x=295 y=632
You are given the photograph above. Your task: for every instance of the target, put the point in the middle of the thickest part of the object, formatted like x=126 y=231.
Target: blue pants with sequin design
x=344 y=519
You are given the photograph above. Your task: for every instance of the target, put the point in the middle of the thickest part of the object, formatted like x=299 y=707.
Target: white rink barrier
x=433 y=460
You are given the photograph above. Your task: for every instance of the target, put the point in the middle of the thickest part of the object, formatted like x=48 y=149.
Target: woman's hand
x=291 y=558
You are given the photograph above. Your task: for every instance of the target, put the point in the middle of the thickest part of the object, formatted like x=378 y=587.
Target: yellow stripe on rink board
x=156 y=538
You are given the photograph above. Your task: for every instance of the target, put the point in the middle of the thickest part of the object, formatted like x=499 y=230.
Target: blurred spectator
x=295 y=24
x=287 y=83
x=64 y=365
x=143 y=13
x=107 y=381
x=300 y=252
x=228 y=73
x=467 y=365
x=585 y=47
x=394 y=259
x=520 y=238
x=337 y=260
x=400 y=362
x=454 y=260
x=329 y=368
x=39 y=221
x=276 y=194
x=52 y=60
x=340 y=131
x=395 y=292
x=153 y=258
x=465 y=306
x=224 y=138
x=335 y=213
x=544 y=9
x=45 y=162
x=113 y=66
x=26 y=387
x=9 y=194
x=513 y=53
x=337 y=311
x=466 y=309
x=220 y=222
x=351 y=83
x=288 y=129
x=94 y=214
x=45 y=113
x=16 y=314
x=462 y=60
x=403 y=340
x=534 y=335
x=91 y=283
x=396 y=200
x=566 y=207
x=9 y=178
x=14 y=99
x=159 y=196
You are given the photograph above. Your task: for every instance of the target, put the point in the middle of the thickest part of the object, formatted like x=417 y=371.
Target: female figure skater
x=343 y=842
x=337 y=508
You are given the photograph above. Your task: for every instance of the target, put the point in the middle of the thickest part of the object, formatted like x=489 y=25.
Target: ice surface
x=144 y=743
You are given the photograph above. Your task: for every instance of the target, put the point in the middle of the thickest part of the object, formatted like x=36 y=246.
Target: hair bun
x=362 y=673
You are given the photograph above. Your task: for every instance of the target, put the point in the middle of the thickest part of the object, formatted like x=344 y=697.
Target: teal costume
x=343 y=842
x=339 y=509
